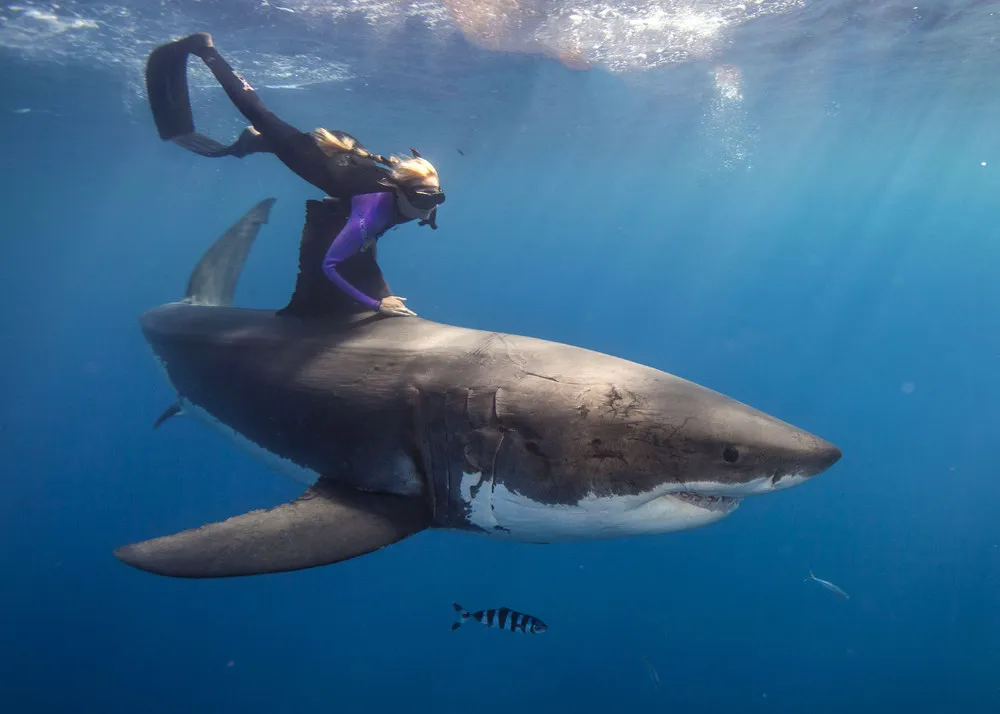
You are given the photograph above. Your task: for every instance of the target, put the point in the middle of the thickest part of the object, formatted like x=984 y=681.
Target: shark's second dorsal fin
x=213 y=280
x=315 y=295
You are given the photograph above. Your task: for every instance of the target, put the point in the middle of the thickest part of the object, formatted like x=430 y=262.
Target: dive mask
x=425 y=198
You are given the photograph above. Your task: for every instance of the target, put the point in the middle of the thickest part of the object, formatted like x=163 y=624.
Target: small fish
x=460 y=151
x=503 y=618
x=828 y=585
x=652 y=672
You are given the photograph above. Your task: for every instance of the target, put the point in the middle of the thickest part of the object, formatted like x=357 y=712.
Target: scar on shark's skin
x=520 y=362
x=493 y=480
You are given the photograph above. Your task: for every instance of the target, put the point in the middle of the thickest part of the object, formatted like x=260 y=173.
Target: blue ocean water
x=795 y=207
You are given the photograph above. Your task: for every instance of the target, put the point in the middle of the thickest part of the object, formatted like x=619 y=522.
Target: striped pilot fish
x=504 y=618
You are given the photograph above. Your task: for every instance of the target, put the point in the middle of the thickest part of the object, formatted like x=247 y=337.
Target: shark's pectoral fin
x=327 y=524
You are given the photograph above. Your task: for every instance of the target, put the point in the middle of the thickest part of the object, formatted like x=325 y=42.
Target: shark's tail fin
x=213 y=280
x=462 y=613
x=811 y=576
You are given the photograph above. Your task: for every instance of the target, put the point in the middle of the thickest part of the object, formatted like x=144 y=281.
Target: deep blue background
x=852 y=252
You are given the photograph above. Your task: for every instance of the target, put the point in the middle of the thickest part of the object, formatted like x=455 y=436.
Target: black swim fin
x=167 y=86
x=328 y=524
x=170 y=101
x=249 y=142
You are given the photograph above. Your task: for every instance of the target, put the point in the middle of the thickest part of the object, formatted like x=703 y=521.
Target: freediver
x=382 y=192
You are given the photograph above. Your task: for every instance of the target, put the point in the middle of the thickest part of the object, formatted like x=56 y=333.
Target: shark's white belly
x=503 y=513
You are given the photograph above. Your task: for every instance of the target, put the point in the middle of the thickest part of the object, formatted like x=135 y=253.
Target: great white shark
x=399 y=424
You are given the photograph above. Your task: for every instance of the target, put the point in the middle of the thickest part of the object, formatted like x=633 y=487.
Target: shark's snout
x=823 y=457
x=807 y=460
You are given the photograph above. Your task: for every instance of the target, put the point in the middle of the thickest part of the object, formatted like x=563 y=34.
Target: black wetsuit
x=341 y=174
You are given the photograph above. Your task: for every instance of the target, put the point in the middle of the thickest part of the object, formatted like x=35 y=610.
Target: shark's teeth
x=711 y=503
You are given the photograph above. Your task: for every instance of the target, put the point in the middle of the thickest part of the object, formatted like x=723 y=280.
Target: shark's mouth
x=709 y=503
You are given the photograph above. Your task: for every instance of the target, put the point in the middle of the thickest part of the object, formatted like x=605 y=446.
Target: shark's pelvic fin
x=327 y=524
x=168 y=413
x=213 y=280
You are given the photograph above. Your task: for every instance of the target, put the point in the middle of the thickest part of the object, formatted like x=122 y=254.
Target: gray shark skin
x=398 y=424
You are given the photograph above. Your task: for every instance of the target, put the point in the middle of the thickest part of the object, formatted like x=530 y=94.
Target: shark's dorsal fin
x=315 y=295
x=213 y=280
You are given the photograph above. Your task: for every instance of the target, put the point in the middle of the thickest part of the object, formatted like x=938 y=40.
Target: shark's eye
x=730 y=454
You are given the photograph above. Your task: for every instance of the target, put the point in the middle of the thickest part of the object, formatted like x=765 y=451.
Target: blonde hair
x=404 y=169
x=410 y=170
x=339 y=143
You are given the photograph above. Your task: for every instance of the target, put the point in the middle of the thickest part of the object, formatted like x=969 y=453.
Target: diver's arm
x=347 y=243
x=370 y=215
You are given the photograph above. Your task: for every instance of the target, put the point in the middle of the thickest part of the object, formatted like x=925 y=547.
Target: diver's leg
x=297 y=150
x=242 y=95
x=167 y=88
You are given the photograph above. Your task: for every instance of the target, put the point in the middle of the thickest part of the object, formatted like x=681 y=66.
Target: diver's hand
x=393 y=305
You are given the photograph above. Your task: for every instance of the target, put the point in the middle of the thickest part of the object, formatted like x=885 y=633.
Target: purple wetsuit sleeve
x=371 y=215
